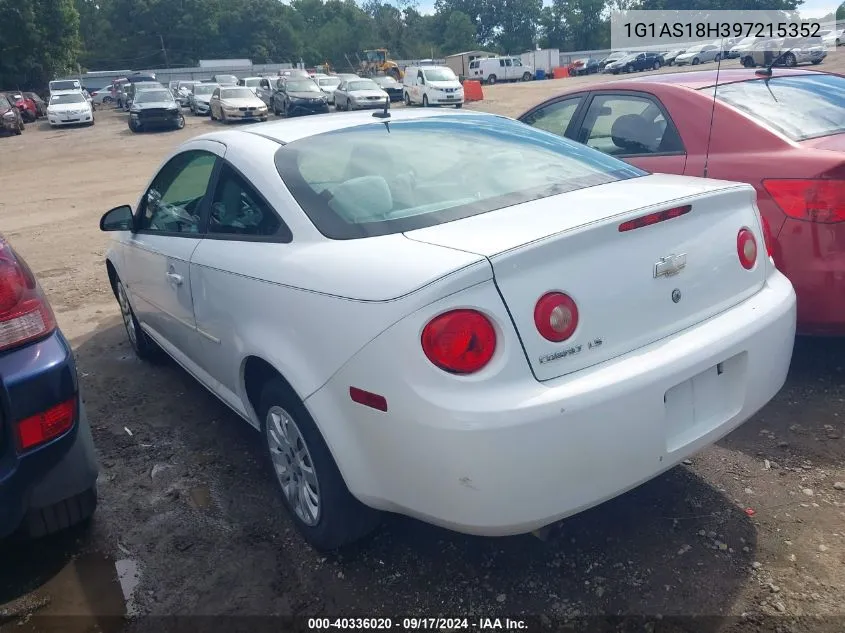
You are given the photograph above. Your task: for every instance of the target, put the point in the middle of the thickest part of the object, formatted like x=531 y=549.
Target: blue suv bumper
x=53 y=485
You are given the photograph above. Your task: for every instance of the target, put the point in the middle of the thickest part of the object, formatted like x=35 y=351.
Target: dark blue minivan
x=48 y=467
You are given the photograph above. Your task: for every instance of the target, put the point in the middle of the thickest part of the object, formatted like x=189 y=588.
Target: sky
x=810 y=8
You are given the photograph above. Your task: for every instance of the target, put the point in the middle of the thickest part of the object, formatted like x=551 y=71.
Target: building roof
x=469 y=53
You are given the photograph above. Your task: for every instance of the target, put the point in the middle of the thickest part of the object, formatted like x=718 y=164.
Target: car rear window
x=388 y=177
x=799 y=107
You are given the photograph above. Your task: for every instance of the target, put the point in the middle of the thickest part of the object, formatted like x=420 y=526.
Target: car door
x=632 y=126
x=157 y=255
x=241 y=225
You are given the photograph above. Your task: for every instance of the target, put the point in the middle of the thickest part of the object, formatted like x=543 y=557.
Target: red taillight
x=24 y=312
x=746 y=248
x=556 y=316
x=460 y=341
x=812 y=200
x=46 y=425
x=654 y=218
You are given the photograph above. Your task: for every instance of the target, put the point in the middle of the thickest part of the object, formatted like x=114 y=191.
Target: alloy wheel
x=293 y=465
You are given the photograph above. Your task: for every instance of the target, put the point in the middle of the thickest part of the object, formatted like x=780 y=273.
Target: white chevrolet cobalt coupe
x=452 y=316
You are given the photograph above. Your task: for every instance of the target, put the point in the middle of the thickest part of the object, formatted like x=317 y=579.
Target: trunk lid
x=571 y=243
x=833 y=143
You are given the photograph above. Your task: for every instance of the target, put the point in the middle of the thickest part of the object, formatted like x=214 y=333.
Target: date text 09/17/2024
x=418 y=624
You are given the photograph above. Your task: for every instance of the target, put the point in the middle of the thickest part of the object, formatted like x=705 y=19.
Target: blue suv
x=48 y=467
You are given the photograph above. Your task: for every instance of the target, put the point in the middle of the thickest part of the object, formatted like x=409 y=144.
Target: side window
x=420 y=77
x=622 y=125
x=4 y=102
x=508 y=62
x=236 y=208
x=174 y=200
x=554 y=117
x=501 y=63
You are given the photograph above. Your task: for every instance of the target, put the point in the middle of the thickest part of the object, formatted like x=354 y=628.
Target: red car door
x=635 y=127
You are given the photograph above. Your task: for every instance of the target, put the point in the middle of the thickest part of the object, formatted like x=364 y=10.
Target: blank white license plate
x=450 y=96
x=707 y=400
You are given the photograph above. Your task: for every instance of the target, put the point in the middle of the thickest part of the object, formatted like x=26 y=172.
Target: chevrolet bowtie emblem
x=670 y=265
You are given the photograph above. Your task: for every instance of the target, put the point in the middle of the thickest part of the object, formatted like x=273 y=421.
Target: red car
x=784 y=135
x=10 y=117
x=29 y=111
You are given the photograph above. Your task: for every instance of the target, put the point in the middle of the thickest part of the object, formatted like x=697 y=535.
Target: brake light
x=556 y=316
x=746 y=248
x=819 y=200
x=46 y=425
x=654 y=218
x=460 y=342
x=25 y=313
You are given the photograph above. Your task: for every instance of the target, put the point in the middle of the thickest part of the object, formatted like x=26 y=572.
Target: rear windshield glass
x=799 y=107
x=329 y=81
x=301 y=86
x=204 y=89
x=381 y=178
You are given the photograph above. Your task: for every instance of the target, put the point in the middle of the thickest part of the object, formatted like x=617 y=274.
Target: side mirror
x=118 y=219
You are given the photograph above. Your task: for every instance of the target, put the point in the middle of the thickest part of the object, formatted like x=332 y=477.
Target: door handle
x=174 y=278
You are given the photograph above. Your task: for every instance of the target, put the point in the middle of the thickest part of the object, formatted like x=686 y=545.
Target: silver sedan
x=359 y=94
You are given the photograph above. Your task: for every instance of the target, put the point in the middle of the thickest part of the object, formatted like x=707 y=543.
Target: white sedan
x=412 y=332
x=69 y=108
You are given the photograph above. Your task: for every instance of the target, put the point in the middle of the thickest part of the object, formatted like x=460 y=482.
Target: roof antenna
x=713 y=107
x=384 y=114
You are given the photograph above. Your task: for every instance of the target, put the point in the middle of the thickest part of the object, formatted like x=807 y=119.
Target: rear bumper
x=509 y=458
x=811 y=255
x=37 y=482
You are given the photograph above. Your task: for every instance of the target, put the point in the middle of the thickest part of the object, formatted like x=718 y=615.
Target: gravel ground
x=189 y=523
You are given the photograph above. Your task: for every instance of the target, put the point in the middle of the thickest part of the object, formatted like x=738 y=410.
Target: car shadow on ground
x=185 y=484
x=806 y=420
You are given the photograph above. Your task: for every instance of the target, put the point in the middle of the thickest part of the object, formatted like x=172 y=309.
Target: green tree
x=840 y=12
x=459 y=35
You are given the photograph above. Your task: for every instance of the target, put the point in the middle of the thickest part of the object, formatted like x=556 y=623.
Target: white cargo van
x=489 y=70
x=432 y=85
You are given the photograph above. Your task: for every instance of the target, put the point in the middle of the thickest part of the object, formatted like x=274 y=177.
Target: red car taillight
x=556 y=316
x=817 y=200
x=25 y=313
x=460 y=341
x=46 y=425
x=746 y=248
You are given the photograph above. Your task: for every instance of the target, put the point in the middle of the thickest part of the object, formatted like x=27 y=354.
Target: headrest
x=362 y=199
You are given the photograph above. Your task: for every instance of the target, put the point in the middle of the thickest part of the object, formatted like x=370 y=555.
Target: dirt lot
x=189 y=522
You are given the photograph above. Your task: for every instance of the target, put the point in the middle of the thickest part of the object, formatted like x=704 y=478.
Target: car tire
x=816 y=62
x=748 y=62
x=107 y=100
x=295 y=449
x=789 y=60
x=143 y=346
x=718 y=58
x=629 y=69
x=526 y=76
x=223 y=118
x=425 y=101
x=407 y=99
x=180 y=123
x=695 y=61
x=492 y=80
x=458 y=106
x=656 y=66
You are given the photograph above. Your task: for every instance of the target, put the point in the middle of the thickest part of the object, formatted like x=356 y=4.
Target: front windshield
x=252 y=82
x=800 y=107
x=64 y=85
x=204 y=89
x=439 y=74
x=375 y=180
x=386 y=81
x=302 y=86
x=364 y=84
x=237 y=93
x=330 y=82
x=74 y=97
x=151 y=96
x=227 y=79
x=695 y=49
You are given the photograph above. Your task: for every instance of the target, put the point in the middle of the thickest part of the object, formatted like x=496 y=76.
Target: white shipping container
x=545 y=59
